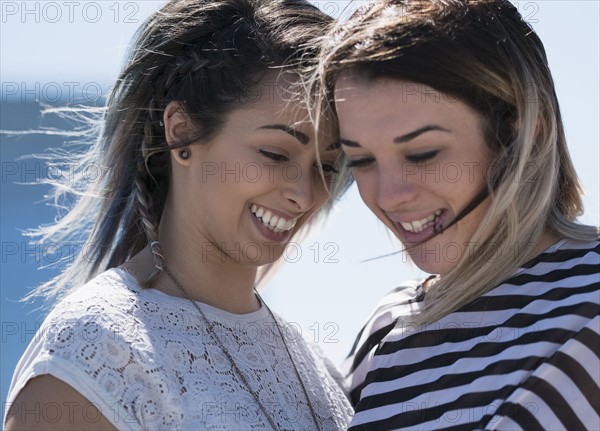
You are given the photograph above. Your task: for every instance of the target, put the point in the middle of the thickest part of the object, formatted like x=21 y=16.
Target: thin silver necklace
x=216 y=338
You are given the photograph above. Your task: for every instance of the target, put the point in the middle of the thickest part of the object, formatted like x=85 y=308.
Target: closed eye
x=359 y=163
x=422 y=157
x=274 y=156
x=329 y=168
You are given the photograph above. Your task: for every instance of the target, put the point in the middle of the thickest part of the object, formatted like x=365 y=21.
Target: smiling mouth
x=272 y=221
x=418 y=226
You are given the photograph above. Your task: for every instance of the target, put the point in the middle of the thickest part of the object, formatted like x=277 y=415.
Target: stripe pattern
x=526 y=355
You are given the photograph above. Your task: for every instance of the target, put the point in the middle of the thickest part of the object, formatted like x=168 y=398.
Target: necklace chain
x=216 y=338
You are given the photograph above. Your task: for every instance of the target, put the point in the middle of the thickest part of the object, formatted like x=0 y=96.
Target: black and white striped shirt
x=526 y=355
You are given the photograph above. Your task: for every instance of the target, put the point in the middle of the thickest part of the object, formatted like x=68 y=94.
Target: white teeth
x=418 y=226
x=266 y=218
x=272 y=221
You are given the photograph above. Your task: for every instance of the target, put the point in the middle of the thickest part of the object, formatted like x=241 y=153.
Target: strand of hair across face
x=437 y=230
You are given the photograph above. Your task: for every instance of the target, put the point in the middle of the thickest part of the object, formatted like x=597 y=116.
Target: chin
x=431 y=261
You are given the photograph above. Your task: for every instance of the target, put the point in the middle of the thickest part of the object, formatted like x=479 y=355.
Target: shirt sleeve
x=399 y=302
x=84 y=351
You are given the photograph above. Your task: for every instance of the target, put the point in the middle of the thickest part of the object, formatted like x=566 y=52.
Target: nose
x=299 y=191
x=394 y=187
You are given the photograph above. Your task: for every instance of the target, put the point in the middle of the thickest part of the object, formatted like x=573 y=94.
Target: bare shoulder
x=47 y=403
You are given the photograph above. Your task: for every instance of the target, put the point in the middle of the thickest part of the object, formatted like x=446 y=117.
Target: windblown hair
x=209 y=55
x=484 y=54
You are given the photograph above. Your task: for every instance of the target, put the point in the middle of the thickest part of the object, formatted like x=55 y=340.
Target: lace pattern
x=148 y=357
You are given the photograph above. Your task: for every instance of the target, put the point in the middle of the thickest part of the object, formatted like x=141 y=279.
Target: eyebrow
x=301 y=137
x=412 y=135
x=333 y=146
x=402 y=138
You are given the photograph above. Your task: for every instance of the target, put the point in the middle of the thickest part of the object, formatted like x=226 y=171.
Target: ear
x=178 y=129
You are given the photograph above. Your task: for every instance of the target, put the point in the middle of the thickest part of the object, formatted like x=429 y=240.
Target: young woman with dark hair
x=159 y=325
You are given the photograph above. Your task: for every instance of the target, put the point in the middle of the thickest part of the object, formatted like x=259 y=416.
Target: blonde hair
x=482 y=53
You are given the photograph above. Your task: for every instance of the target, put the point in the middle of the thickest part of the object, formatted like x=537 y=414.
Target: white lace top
x=146 y=361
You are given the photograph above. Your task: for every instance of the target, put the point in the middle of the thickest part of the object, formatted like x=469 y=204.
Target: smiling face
x=419 y=158
x=256 y=183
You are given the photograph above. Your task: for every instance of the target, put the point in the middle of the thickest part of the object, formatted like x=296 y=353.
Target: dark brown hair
x=208 y=55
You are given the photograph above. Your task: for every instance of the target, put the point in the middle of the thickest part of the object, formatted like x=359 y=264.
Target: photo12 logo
x=53 y=12
x=88 y=93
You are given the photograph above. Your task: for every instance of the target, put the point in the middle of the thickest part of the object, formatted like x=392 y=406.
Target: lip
x=413 y=238
x=268 y=233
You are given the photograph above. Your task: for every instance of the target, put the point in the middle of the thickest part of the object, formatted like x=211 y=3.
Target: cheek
x=321 y=194
x=476 y=217
x=482 y=159
x=458 y=179
x=367 y=188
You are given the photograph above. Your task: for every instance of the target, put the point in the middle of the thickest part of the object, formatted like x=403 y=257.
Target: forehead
x=277 y=99
x=276 y=96
x=384 y=102
x=354 y=88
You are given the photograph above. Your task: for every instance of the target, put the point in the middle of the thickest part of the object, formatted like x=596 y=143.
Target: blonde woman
x=159 y=325
x=450 y=126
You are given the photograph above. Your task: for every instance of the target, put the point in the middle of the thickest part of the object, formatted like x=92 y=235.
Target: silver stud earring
x=161 y=124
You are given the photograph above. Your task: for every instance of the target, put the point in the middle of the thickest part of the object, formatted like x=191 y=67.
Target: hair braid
x=149 y=221
x=186 y=64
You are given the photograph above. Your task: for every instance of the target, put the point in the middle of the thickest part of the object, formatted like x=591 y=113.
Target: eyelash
x=423 y=157
x=274 y=156
x=327 y=168
x=359 y=163
x=416 y=158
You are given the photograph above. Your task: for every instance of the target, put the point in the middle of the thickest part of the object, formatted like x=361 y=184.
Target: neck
x=546 y=240
x=211 y=278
